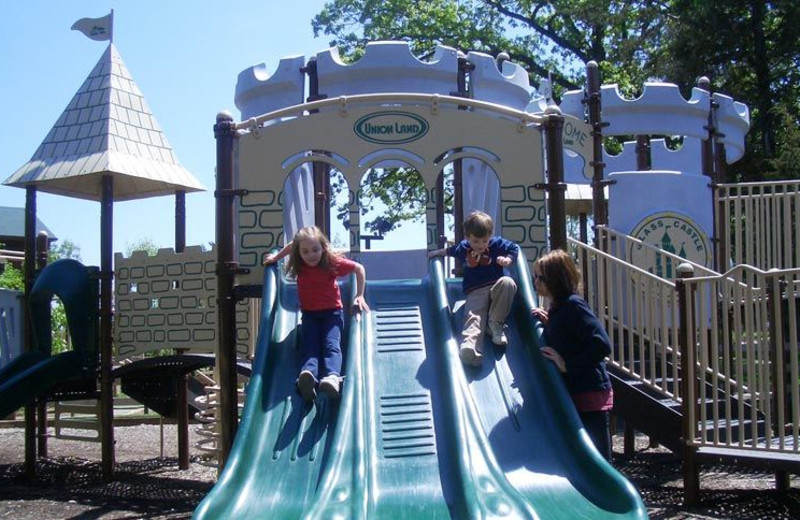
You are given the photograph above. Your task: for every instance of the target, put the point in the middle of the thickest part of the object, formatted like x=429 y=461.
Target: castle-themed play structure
x=415 y=434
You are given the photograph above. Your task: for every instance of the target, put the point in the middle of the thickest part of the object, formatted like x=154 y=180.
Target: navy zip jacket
x=486 y=272
x=575 y=332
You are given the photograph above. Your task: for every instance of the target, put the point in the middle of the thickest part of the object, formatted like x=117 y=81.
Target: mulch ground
x=148 y=483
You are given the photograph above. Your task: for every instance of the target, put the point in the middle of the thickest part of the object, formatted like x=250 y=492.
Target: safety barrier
x=763 y=223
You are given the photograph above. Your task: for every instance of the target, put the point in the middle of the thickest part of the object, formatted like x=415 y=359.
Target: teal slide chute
x=34 y=373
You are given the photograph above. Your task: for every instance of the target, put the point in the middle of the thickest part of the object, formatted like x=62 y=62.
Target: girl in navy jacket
x=577 y=343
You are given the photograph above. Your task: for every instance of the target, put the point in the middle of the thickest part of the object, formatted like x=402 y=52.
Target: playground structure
x=291 y=142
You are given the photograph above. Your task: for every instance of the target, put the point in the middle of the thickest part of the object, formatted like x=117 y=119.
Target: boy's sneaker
x=497 y=333
x=470 y=356
x=331 y=385
x=306 y=385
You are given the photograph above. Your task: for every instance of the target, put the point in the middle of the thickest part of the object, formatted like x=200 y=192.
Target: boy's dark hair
x=559 y=274
x=478 y=224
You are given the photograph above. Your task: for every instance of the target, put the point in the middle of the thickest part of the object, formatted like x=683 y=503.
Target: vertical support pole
x=777 y=363
x=106 y=331
x=441 y=239
x=599 y=205
x=643 y=159
x=708 y=163
x=42 y=247
x=691 y=470
x=321 y=171
x=225 y=133
x=30 y=273
x=554 y=128
x=182 y=381
x=464 y=66
x=584 y=236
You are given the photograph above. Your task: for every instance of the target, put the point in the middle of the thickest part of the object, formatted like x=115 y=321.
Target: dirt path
x=69 y=482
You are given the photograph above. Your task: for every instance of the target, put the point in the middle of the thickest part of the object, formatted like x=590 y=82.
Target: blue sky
x=185 y=57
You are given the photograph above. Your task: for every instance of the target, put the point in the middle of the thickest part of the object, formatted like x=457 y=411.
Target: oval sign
x=391 y=127
x=674 y=233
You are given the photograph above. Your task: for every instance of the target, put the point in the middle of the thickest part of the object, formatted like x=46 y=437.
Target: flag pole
x=112 y=26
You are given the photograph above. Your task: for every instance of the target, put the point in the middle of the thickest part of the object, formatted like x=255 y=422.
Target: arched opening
x=392 y=203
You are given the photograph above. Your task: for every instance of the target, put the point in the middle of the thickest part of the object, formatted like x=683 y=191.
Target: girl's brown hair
x=559 y=274
x=295 y=262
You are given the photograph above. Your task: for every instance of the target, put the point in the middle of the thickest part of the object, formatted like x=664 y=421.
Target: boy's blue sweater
x=483 y=275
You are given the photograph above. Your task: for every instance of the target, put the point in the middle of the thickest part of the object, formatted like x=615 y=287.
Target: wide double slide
x=415 y=434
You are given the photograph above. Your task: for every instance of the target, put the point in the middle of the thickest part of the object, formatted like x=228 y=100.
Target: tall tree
x=547 y=37
x=750 y=49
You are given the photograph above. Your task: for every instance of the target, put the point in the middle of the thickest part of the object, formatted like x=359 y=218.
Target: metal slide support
x=225 y=133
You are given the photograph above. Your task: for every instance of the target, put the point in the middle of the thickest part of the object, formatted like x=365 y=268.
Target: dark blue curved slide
x=415 y=435
x=35 y=372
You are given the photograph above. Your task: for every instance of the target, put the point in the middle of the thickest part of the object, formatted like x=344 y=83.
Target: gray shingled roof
x=12 y=223
x=106 y=128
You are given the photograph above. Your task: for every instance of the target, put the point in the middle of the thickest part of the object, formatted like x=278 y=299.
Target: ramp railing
x=640 y=312
x=762 y=221
x=742 y=358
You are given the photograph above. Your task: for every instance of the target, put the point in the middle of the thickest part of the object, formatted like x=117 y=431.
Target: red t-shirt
x=317 y=288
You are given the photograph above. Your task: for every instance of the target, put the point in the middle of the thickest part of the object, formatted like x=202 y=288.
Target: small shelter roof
x=107 y=128
x=12 y=224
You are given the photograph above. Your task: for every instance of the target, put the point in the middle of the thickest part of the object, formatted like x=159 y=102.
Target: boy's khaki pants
x=492 y=300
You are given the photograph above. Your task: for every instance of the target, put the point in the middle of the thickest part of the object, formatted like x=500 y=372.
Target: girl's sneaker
x=331 y=385
x=306 y=385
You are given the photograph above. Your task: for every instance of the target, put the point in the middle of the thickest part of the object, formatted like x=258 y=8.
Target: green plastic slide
x=35 y=372
x=415 y=435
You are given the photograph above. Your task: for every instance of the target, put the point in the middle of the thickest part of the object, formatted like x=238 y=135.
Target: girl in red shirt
x=317 y=266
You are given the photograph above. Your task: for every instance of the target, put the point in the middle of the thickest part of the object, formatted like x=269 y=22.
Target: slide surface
x=415 y=435
x=32 y=374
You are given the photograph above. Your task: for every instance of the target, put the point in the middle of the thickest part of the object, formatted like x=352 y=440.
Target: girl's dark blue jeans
x=321 y=342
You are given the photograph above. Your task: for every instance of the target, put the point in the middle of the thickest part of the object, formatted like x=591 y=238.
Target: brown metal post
x=30 y=273
x=320 y=171
x=691 y=471
x=183 y=380
x=106 y=331
x=225 y=133
x=599 y=206
x=708 y=163
x=441 y=237
x=778 y=371
x=554 y=129
x=42 y=249
x=643 y=160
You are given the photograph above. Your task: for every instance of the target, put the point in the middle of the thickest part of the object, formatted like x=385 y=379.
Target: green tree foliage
x=556 y=37
x=750 y=49
x=12 y=278
x=144 y=244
